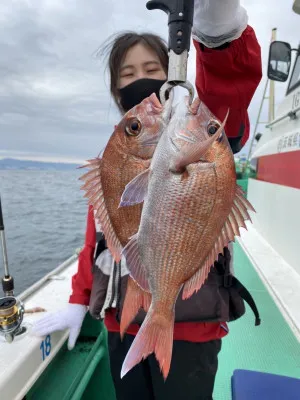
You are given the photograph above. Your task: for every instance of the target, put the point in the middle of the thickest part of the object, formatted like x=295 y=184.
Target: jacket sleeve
x=226 y=78
x=83 y=279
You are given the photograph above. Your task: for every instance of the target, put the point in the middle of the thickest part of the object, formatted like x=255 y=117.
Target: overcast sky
x=54 y=97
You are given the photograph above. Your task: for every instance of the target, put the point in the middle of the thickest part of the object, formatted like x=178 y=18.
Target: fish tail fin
x=135 y=299
x=154 y=336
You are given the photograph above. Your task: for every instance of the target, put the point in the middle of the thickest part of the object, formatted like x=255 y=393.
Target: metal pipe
x=271 y=99
x=287 y=115
x=255 y=129
x=47 y=277
x=4 y=254
x=3 y=243
x=272 y=87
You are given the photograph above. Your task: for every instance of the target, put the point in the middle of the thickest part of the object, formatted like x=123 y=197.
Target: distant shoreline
x=15 y=164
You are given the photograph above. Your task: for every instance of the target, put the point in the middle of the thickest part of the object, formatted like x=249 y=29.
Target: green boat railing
x=80 y=374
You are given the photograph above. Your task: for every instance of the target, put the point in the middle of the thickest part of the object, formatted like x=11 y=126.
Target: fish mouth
x=166 y=117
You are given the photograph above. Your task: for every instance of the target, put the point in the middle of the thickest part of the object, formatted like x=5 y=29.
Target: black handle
x=8 y=284
x=1 y=218
x=181 y=14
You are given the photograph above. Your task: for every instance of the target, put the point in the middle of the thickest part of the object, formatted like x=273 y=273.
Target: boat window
x=295 y=79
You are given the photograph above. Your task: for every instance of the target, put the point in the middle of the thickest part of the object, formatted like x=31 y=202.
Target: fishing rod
x=11 y=309
x=180 y=22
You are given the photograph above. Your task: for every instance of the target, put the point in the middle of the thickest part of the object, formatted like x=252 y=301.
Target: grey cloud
x=54 y=96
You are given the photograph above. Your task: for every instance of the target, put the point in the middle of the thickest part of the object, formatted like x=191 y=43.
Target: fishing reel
x=11 y=309
x=11 y=317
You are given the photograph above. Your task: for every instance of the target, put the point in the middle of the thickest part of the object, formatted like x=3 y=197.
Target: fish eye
x=133 y=127
x=212 y=127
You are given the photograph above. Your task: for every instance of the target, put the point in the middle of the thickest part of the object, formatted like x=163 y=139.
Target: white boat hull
x=23 y=361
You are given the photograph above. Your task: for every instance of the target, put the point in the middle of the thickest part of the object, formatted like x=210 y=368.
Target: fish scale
x=188 y=218
x=125 y=156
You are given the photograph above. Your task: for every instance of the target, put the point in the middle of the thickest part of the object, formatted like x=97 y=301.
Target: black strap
x=245 y=295
x=100 y=245
x=118 y=316
x=229 y=280
x=115 y=272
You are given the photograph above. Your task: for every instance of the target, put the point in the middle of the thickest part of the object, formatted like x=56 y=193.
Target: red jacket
x=225 y=79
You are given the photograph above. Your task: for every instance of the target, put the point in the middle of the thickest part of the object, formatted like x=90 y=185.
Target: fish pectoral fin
x=94 y=193
x=136 y=190
x=192 y=152
x=133 y=260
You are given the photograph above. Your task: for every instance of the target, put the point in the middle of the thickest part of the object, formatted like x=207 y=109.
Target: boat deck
x=271 y=347
x=84 y=374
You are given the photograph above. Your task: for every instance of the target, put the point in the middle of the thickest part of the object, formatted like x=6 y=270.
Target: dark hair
x=118 y=45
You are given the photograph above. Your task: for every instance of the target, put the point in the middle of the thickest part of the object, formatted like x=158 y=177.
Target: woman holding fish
x=228 y=70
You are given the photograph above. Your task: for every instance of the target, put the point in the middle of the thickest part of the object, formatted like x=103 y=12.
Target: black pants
x=192 y=373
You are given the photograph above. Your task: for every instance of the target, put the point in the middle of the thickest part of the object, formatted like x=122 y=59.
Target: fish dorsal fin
x=134 y=264
x=95 y=196
x=136 y=190
x=235 y=220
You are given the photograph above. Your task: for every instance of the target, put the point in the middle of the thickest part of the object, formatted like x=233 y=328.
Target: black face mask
x=135 y=92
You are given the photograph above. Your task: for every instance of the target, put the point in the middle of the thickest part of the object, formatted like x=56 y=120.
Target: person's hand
x=69 y=318
x=218 y=21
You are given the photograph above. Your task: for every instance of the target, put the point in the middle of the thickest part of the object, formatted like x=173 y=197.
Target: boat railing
x=50 y=276
x=290 y=114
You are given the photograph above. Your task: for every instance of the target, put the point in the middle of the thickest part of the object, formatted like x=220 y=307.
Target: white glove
x=218 y=21
x=69 y=318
